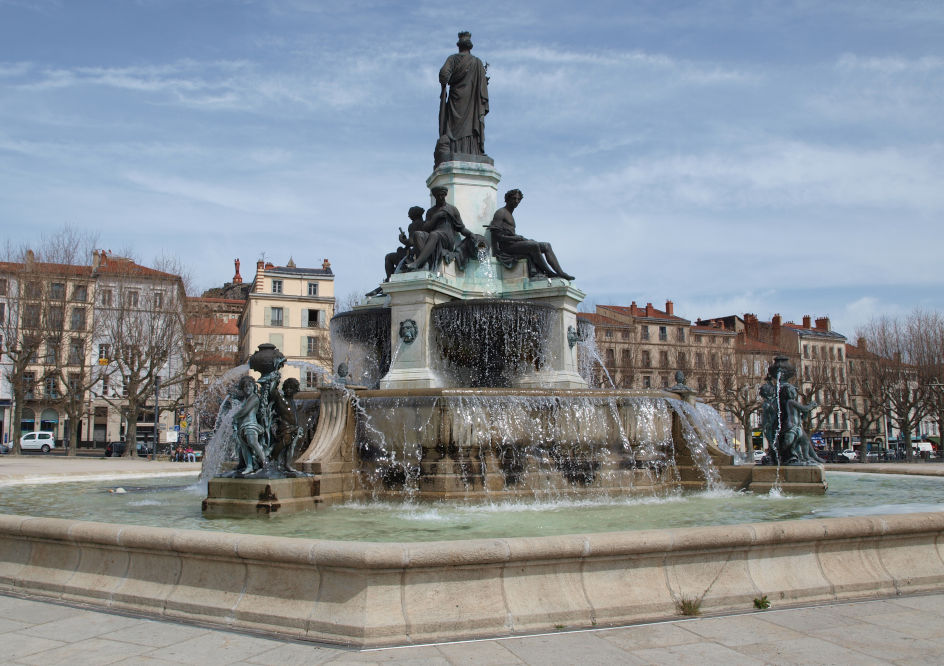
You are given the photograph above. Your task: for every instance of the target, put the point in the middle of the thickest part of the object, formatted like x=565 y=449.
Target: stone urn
x=266 y=359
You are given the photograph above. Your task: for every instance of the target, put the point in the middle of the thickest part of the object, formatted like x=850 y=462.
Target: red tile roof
x=641 y=312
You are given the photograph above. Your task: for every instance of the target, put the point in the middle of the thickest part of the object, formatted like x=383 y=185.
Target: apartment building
x=291 y=307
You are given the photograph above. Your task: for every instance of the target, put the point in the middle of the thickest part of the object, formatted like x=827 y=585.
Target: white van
x=41 y=440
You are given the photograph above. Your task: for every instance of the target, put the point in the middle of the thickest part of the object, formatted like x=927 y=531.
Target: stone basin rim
x=497 y=551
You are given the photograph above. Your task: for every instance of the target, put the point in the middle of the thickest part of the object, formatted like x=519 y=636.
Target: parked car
x=117 y=449
x=759 y=456
x=4 y=448
x=41 y=440
x=849 y=454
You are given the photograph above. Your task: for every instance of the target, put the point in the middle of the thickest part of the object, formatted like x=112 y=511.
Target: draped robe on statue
x=461 y=116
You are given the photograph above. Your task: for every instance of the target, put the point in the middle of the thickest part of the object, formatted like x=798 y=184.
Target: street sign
x=176 y=428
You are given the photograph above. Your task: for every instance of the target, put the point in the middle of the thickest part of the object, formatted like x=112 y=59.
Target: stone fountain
x=460 y=371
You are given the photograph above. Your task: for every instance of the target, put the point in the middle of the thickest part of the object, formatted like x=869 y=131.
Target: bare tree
x=44 y=353
x=865 y=399
x=897 y=343
x=143 y=328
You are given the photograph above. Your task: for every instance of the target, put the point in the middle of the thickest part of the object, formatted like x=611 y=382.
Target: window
x=663 y=359
x=624 y=334
x=104 y=353
x=839 y=354
x=663 y=333
x=835 y=420
x=105 y=297
x=33 y=290
x=76 y=351
x=3 y=286
x=806 y=351
x=80 y=293
x=312 y=288
x=29 y=383
x=664 y=381
x=313 y=346
x=3 y=313
x=714 y=360
x=608 y=333
x=681 y=359
x=57 y=291
x=158 y=300
x=645 y=332
x=697 y=340
x=814 y=352
x=832 y=354
x=276 y=286
x=681 y=334
x=78 y=319
x=646 y=381
x=52 y=387
x=314 y=318
x=52 y=353
x=610 y=356
x=74 y=382
x=646 y=359
x=806 y=372
x=104 y=386
x=276 y=319
x=699 y=360
x=131 y=299
x=311 y=379
x=54 y=317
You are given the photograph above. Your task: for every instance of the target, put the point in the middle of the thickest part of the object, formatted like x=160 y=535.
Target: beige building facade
x=291 y=307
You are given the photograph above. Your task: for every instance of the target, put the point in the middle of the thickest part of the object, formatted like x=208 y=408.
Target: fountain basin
x=369 y=594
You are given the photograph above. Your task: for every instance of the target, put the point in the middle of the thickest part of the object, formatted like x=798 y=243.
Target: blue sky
x=731 y=156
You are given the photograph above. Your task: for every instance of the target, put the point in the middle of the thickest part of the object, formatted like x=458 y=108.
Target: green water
x=171 y=502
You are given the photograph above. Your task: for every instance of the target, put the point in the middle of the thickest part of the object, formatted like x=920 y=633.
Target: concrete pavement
x=904 y=630
x=51 y=469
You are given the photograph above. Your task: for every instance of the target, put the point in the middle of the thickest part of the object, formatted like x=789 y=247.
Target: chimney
x=775 y=322
x=237 y=278
x=806 y=321
x=96 y=259
x=269 y=265
x=669 y=308
x=632 y=308
x=751 y=326
x=862 y=344
x=649 y=310
x=822 y=323
x=326 y=265
x=30 y=258
x=257 y=282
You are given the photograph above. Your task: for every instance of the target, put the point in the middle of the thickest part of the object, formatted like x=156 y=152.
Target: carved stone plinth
x=473 y=189
x=260 y=498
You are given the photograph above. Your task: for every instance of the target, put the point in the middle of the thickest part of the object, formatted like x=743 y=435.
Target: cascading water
x=361 y=339
x=589 y=358
x=467 y=444
x=491 y=342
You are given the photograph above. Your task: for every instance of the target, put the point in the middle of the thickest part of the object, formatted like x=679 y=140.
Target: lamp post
x=157 y=413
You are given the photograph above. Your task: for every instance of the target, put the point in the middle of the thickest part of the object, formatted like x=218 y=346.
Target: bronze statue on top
x=508 y=247
x=462 y=113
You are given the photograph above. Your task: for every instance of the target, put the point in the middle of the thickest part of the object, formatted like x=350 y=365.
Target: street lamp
x=157 y=413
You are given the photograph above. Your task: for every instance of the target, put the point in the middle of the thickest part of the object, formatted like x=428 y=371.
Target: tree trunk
x=131 y=435
x=909 y=452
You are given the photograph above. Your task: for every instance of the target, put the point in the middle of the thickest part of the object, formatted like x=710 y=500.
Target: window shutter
x=276 y=339
x=285 y=317
x=303 y=346
x=304 y=317
x=268 y=316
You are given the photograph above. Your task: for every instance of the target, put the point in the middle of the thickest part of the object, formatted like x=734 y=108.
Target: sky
x=732 y=156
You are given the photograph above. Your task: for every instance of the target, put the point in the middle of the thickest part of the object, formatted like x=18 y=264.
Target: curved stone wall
x=374 y=594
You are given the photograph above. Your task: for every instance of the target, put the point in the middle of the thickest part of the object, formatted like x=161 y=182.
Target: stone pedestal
x=473 y=189
x=412 y=297
x=259 y=498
